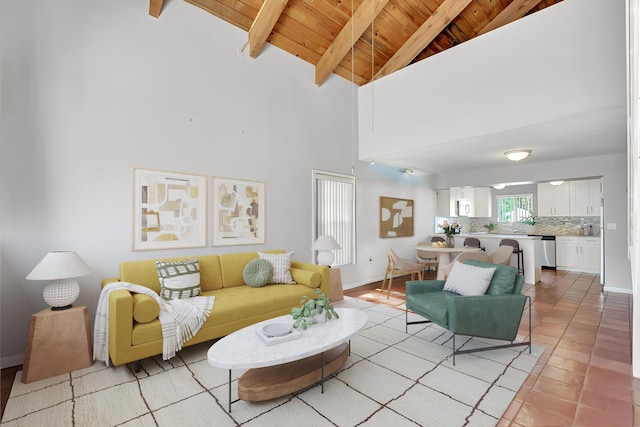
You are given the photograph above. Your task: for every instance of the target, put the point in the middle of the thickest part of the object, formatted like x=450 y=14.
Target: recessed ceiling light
x=517 y=155
x=556 y=183
x=499 y=186
x=409 y=171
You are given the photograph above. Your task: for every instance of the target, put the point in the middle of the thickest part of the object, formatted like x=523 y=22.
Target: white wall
x=633 y=70
x=375 y=181
x=549 y=66
x=90 y=90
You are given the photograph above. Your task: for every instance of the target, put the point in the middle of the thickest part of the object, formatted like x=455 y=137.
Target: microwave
x=463 y=207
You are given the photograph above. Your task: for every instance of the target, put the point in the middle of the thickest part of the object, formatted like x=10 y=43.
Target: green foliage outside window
x=515 y=207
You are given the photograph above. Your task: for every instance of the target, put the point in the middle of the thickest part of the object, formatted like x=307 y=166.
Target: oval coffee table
x=286 y=367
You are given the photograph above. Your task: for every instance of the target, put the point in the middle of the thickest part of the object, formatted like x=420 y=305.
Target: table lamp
x=60 y=269
x=324 y=245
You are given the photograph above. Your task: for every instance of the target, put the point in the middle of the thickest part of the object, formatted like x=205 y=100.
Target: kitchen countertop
x=482 y=235
x=485 y=235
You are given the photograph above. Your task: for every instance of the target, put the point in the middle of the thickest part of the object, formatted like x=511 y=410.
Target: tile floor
x=584 y=377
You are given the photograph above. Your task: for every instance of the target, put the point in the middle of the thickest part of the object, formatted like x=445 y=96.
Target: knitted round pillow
x=257 y=272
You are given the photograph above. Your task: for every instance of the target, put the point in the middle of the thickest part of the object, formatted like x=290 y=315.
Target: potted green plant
x=491 y=226
x=530 y=220
x=313 y=310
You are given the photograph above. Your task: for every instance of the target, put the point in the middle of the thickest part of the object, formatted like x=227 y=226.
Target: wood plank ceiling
x=377 y=36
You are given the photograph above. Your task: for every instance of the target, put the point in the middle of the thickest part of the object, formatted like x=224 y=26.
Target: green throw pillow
x=257 y=272
x=503 y=280
x=179 y=279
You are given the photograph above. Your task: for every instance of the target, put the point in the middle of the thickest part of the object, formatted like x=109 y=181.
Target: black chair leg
x=454 y=349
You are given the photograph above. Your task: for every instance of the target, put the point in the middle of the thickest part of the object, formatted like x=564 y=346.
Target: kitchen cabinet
x=553 y=200
x=578 y=253
x=585 y=197
x=483 y=202
x=443 y=203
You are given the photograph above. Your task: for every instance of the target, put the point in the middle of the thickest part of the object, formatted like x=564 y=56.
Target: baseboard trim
x=617 y=290
x=9 y=361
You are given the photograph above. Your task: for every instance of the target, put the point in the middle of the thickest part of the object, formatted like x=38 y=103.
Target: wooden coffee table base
x=276 y=381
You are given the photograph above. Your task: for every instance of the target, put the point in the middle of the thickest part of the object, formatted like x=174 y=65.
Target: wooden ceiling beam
x=516 y=10
x=263 y=25
x=345 y=40
x=427 y=32
x=155 y=7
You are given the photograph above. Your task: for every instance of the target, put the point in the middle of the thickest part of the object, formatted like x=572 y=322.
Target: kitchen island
x=528 y=244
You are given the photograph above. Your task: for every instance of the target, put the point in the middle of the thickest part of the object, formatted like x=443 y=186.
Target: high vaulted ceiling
x=377 y=36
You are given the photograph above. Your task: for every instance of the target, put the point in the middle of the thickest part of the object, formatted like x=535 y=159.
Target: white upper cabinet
x=553 y=200
x=443 y=204
x=483 y=201
x=586 y=197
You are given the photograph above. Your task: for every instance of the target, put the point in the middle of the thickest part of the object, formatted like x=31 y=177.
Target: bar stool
x=516 y=250
x=472 y=242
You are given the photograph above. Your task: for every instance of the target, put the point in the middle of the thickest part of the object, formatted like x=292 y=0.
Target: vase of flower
x=450 y=241
x=449 y=230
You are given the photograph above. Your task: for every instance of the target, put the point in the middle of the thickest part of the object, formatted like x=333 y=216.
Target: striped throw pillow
x=281 y=266
x=179 y=279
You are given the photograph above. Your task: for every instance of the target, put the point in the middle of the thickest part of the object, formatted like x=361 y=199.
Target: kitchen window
x=514 y=207
x=334 y=211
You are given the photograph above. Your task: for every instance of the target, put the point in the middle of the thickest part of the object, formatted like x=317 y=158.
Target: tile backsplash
x=547 y=225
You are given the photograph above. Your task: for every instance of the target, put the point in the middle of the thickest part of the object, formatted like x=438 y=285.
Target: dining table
x=444 y=255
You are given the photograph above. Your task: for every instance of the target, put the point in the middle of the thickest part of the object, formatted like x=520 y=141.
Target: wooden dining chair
x=480 y=256
x=502 y=255
x=399 y=266
x=428 y=258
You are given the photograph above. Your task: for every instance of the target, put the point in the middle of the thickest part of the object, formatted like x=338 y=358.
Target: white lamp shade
x=324 y=245
x=60 y=269
x=59 y=265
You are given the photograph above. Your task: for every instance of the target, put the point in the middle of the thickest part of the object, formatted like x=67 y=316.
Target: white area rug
x=391 y=378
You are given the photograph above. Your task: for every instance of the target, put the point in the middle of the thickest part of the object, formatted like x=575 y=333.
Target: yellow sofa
x=134 y=328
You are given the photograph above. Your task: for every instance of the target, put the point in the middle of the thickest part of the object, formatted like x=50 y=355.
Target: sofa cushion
x=235 y=308
x=179 y=279
x=257 y=272
x=432 y=305
x=465 y=279
x=145 y=272
x=309 y=278
x=281 y=266
x=503 y=279
x=145 y=308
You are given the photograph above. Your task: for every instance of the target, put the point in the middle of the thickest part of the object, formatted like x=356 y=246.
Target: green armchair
x=495 y=315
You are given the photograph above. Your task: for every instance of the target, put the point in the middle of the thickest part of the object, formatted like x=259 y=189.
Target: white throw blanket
x=180 y=319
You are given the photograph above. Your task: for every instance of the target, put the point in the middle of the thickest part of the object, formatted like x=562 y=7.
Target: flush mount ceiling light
x=556 y=183
x=499 y=186
x=409 y=171
x=517 y=155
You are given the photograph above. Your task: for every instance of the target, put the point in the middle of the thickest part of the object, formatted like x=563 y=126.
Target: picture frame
x=396 y=217
x=169 y=210
x=238 y=210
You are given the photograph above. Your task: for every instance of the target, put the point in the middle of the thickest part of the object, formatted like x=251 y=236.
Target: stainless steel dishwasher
x=547 y=252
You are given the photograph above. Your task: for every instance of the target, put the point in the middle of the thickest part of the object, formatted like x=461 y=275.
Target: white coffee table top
x=243 y=349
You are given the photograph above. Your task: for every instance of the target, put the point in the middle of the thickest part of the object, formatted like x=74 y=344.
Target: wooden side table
x=335 y=285
x=58 y=342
